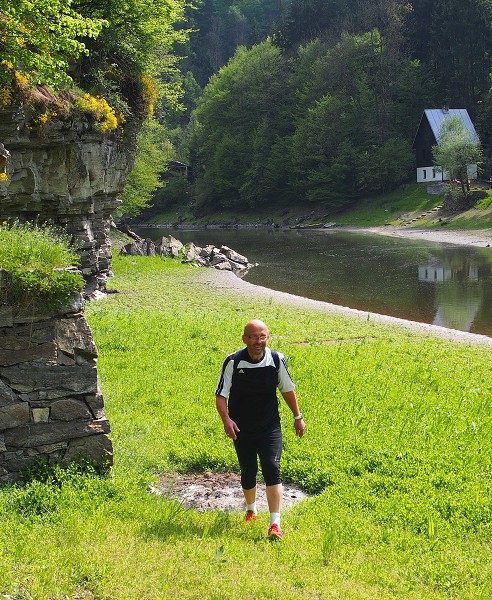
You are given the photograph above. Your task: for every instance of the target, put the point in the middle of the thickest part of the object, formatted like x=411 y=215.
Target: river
x=428 y=282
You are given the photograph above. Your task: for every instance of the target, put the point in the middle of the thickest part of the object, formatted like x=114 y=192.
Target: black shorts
x=268 y=448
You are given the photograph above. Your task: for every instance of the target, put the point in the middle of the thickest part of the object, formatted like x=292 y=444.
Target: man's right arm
x=230 y=426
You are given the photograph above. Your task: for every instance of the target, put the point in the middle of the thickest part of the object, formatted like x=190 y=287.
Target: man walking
x=247 y=403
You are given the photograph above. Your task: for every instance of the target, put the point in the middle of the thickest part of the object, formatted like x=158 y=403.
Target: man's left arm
x=291 y=400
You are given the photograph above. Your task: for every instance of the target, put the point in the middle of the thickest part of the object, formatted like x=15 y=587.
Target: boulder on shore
x=223 y=258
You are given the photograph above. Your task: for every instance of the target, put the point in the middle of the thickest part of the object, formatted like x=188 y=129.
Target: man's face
x=256 y=338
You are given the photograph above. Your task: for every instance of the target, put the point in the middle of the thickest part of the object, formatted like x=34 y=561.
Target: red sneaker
x=275 y=533
x=250 y=516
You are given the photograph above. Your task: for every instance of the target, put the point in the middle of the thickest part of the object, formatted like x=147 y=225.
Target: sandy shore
x=481 y=238
x=227 y=280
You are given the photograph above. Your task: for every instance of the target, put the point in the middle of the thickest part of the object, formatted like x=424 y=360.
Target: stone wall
x=51 y=406
x=66 y=172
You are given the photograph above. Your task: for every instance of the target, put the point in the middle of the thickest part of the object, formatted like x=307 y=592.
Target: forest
x=318 y=101
x=265 y=101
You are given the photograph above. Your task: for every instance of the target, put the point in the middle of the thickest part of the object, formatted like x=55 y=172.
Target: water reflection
x=460 y=296
x=423 y=281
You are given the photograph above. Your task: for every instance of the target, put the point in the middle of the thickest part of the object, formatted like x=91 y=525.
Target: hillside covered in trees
x=265 y=101
x=318 y=101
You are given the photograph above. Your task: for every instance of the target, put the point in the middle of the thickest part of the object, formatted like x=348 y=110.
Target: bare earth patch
x=216 y=491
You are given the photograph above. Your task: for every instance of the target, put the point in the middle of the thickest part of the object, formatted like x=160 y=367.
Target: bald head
x=253 y=325
x=255 y=337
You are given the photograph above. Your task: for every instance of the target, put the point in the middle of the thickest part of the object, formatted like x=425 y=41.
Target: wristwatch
x=298 y=418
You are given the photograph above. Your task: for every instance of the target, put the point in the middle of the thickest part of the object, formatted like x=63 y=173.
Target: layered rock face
x=50 y=403
x=66 y=172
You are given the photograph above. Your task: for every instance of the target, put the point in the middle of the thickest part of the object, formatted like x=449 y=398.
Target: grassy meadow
x=397 y=456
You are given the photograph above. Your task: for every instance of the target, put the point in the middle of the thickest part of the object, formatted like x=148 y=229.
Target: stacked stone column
x=51 y=407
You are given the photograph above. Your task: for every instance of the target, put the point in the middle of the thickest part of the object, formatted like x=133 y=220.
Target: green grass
x=34 y=247
x=36 y=258
x=390 y=208
x=397 y=455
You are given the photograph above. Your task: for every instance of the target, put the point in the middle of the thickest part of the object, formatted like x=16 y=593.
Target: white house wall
x=426 y=174
x=430 y=174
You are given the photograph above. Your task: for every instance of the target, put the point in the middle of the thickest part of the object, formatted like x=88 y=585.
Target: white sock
x=252 y=507
x=274 y=519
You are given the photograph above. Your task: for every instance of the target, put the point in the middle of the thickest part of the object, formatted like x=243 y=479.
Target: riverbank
x=462 y=237
x=477 y=238
x=228 y=281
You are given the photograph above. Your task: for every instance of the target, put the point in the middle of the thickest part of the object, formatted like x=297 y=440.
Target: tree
x=453 y=41
x=153 y=151
x=234 y=126
x=133 y=61
x=349 y=141
x=456 y=149
x=38 y=39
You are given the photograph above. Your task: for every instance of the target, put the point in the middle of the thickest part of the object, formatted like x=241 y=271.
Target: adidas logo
x=241 y=371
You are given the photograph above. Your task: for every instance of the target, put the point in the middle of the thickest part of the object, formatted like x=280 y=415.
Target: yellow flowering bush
x=21 y=80
x=149 y=93
x=4 y=177
x=41 y=119
x=99 y=108
x=6 y=96
x=6 y=88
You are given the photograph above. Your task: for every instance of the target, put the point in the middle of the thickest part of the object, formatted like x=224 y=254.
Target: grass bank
x=397 y=455
x=399 y=207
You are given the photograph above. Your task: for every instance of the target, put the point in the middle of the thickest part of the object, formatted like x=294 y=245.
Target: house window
x=424 y=174
x=433 y=173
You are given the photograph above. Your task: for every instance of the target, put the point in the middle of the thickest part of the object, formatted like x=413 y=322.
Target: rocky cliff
x=65 y=171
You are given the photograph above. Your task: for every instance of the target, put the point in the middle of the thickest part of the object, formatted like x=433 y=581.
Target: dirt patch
x=217 y=491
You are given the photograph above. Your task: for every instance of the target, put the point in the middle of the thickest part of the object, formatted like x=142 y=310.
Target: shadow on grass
x=176 y=520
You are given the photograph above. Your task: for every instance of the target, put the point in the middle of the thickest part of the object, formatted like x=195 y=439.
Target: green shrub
x=485 y=200
x=36 y=259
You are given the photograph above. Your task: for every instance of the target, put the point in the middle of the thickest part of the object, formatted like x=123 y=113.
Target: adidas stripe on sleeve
x=285 y=383
x=225 y=378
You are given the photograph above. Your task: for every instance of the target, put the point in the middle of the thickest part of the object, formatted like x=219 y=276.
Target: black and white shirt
x=251 y=389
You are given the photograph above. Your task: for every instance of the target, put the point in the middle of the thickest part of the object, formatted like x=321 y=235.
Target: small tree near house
x=456 y=151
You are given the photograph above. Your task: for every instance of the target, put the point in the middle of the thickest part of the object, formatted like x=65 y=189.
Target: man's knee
x=273 y=480
x=271 y=473
x=248 y=481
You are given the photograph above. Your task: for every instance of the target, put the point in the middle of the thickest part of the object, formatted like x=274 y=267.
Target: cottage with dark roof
x=427 y=136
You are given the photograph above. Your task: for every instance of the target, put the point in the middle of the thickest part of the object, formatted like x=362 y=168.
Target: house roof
x=435 y=117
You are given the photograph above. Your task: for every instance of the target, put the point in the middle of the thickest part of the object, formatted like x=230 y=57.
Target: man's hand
x=299 y=427
x=231 y=428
